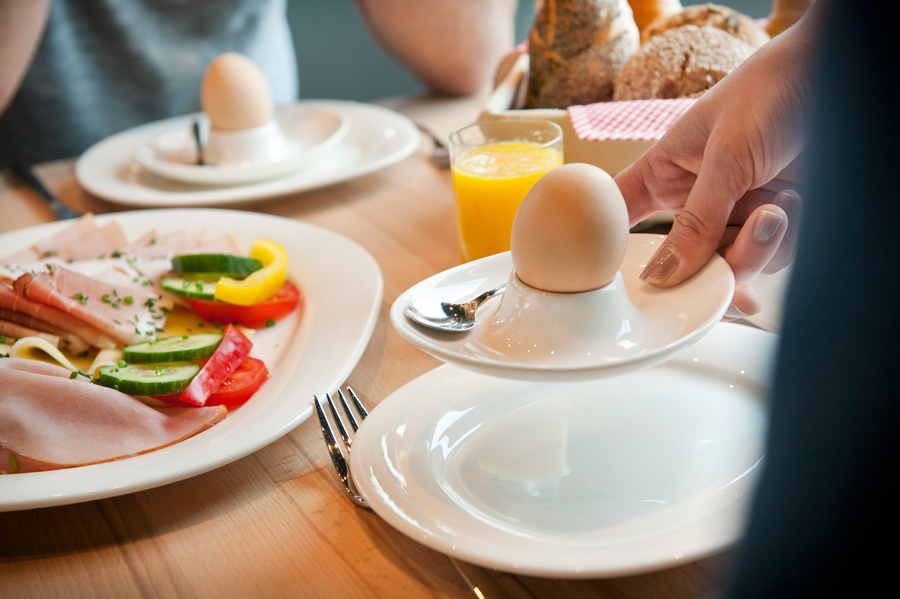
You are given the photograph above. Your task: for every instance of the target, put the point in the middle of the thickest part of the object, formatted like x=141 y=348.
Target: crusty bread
x=647 y=11
x=680 y=63
x=710 y=15
x=785 y=13
x=576 y=48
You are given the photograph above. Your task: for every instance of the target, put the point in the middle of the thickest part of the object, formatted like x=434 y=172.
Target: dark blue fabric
x=825 y=517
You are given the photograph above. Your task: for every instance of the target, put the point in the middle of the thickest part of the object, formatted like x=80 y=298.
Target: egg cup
x=529 y=334
x=244 y=147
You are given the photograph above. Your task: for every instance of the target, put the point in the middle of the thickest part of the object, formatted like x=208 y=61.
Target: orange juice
x=489 y=183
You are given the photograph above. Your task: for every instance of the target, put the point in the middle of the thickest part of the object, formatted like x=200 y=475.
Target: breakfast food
x=571 y=231
x=576 y=48
x=711 y=15
x=680 y=63
x=785 y=13
x=235 y=93
x=647 y=11
x=119 y=320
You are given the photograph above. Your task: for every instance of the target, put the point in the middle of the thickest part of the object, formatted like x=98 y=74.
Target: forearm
x=452 y=46
x=21 y=25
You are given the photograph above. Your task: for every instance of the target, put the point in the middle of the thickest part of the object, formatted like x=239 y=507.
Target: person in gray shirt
x=102 y=66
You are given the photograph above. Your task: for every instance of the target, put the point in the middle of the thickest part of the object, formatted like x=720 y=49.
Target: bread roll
x=711 y=15
x=647 y=11
x=785 y=13
x=680 y=63
x=576 y=48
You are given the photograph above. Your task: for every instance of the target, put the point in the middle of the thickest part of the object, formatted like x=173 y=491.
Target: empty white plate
x=592 y=479
x=568 y=337
x=304 y=132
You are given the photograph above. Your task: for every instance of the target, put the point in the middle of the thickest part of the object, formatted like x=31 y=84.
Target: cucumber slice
x=137 y=379
x=225 y=263
x=173 y=349
x=205 y=290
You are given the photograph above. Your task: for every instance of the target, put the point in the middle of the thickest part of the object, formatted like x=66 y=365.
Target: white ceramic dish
x=298 y=135
x=566 y=337
x=318 y=354
x=579 y=480
x=377 y=138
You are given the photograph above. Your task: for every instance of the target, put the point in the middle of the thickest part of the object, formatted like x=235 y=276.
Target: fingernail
x=735 y=312
x=789 y=201
x=662 y=266
x=766 y=225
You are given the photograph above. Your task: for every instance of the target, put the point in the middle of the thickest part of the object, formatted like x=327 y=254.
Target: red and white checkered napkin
x=632 y=119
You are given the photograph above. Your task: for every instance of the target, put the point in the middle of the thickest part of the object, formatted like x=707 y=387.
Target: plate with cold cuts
x=337 y=324
x=600 y=478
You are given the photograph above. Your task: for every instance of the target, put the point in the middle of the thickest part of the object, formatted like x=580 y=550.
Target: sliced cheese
x=35 y=348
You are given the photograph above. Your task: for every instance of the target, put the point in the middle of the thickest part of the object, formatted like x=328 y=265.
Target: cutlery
x=441 y=153
x=199 y=143
x=24 y=172
x=481 y=583
x=447 y=316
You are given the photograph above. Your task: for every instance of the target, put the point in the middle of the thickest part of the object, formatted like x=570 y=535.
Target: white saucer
x=377 y=138
x=302 y=133
x=574 y=341
x=579 y=480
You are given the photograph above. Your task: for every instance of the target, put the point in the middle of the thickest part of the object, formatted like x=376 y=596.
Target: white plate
x=304 y=133
x=377 y=138
x=317 y=355
x=664 y=322
x=579 y=480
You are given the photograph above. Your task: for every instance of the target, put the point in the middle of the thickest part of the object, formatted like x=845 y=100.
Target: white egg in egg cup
x=606 y=322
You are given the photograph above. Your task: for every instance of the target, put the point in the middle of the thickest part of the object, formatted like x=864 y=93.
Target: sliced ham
x=17 y=331
x=49 y=421
x=130 y=316
x=16 y=302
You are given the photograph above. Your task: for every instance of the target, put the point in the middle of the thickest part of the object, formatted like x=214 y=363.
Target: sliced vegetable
x=173 y=349
x=262 y=284
x=235 y=390
x=233 y=349
x=258 y=316
x=222 y=263
x=138 y=379
x=205 y=290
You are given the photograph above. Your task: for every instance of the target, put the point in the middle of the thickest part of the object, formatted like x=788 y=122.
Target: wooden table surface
x=275 y=523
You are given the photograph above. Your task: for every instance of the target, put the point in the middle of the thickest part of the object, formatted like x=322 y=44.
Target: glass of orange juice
x=495 y=162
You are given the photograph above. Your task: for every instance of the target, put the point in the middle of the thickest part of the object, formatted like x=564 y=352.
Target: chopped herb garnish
x=185 y=337
x=160 y=371
x=165 y=310
x=73 y=375
x=105 y=298
x=149 y=302
x=185 y=284
x=116 y=321
x=136 y=279
x=270 y=322
x=153 y=241
x=200 y=324
x=146 y=282
x=70 y=260
x=217 y=324
x=128 y=300
x=136 y=331
x=116 y=387
x=199 y=286
x=14 y=462
x=149 y=333
x=48 y=253
x=83 y=354
x=2 y=338
x=101 y=257
x=122 y=363
x=81 y=298
x=115 y=293
x=116 y=254
x=159 y=330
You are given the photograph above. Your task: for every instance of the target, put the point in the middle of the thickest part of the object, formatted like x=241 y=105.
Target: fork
x=481 y=583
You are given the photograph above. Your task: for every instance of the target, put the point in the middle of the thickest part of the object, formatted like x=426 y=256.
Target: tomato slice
x=234 y=391
x=257 y=316
x=232 y=350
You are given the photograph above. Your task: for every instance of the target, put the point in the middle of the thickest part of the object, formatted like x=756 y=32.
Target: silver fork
x=480 y=582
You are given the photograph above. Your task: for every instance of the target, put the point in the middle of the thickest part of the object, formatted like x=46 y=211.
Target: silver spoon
x=446 y=316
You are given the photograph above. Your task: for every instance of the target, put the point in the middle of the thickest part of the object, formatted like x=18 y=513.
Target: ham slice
x=130 y=316
x=17 y=331
x=49 y=421
x=16 y=302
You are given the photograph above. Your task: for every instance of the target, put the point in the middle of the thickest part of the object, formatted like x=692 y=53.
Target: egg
x=570 y=232
x=235 y=93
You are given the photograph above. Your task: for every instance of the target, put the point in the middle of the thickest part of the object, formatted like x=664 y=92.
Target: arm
x=21 y=25
x=452 y=46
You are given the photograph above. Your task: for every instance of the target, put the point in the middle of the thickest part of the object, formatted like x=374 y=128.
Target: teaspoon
x=447 y=316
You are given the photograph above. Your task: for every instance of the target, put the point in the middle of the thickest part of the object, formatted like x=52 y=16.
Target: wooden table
x=275 y=523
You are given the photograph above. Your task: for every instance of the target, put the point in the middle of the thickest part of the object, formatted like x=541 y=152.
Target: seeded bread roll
x=680 y=63
x=576 y=48
x=647 y=11
x=712 y=15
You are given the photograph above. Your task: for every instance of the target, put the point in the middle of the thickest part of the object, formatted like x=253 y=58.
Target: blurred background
x=330 y=38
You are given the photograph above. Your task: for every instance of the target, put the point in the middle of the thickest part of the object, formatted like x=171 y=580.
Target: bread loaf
x=711 y=15
x=647 y=11
x=680 y=63
x=576 y=48
x=785 y=13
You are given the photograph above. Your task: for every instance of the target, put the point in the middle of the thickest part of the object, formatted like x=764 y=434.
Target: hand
x=727 y=169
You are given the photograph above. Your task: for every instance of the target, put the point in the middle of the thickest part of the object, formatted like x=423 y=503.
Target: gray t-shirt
x=107 y=65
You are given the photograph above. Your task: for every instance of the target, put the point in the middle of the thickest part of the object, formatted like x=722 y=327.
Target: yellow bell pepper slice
x=260 y=285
